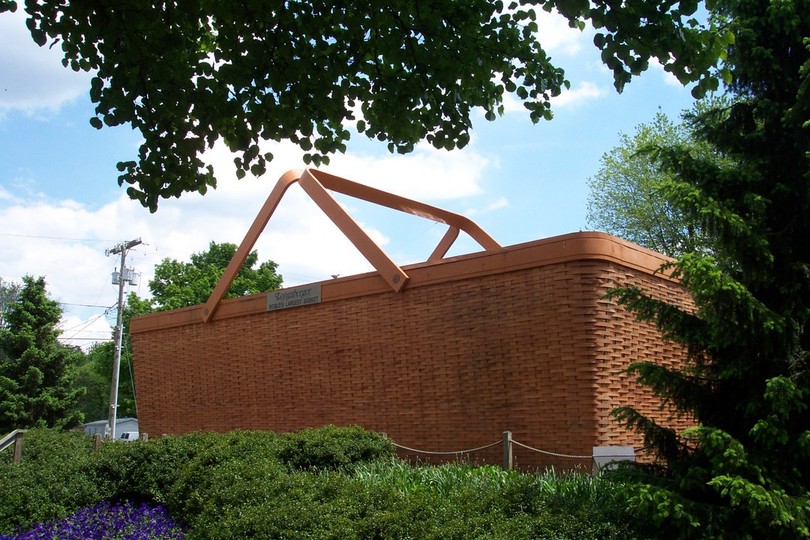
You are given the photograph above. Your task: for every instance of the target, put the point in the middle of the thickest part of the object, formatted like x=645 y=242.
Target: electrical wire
x=87 y=323
x=44 y=237
x=128 y=341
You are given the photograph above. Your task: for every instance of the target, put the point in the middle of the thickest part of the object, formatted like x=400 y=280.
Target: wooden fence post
x=18 y=444
x=96 y=442
x=507 y=451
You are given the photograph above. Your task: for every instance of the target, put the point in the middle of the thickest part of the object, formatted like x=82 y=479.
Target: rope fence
x=451 y=453
x=555 y=454
x=508 y=444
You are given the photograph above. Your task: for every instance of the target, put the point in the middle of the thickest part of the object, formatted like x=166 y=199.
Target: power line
x=82 y=326
x=45 y=237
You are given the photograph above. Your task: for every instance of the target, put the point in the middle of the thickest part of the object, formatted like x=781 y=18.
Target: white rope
x=446 y=453
x=526 y=446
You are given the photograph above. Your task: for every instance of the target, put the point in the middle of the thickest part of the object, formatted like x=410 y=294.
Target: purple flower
x=104 y=521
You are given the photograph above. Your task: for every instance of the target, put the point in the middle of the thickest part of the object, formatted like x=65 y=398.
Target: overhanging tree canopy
x=186 y=74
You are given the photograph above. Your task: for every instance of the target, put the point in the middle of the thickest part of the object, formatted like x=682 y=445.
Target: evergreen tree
x=35 y=387
x=744 y=470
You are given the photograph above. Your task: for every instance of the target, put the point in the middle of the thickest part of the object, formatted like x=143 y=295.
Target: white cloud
x=569 y=48
x=5 y=195
x=497 y=204
x=668 y=78
x=65 y=241
x=511 y=104
x=84 y=333
x=301 y=238
x=427 y=174
x=556 y=36
x=582 y=92
x=32 y=77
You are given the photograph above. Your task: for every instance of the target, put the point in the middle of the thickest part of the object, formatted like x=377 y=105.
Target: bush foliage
x=325 y=483
x=53 y=479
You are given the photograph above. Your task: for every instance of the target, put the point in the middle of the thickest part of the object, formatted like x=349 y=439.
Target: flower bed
x=104 y=521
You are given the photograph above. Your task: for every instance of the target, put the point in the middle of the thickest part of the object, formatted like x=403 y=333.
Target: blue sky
x=61 y=207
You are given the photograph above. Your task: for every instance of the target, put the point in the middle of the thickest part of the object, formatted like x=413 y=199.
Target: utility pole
x=122 y=277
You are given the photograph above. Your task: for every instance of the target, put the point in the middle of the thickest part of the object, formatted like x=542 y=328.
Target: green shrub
x=254 y=485
x=142 y=471
x=265 y=501
x=235 y=463
x=332 y=448
x=53 y=479
x=329 y=483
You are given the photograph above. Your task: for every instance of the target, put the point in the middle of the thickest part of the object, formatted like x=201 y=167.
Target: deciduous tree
x=94 y=374
x=627 y=195
x=8 y=295
x=187 y=74
x=179 y=284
